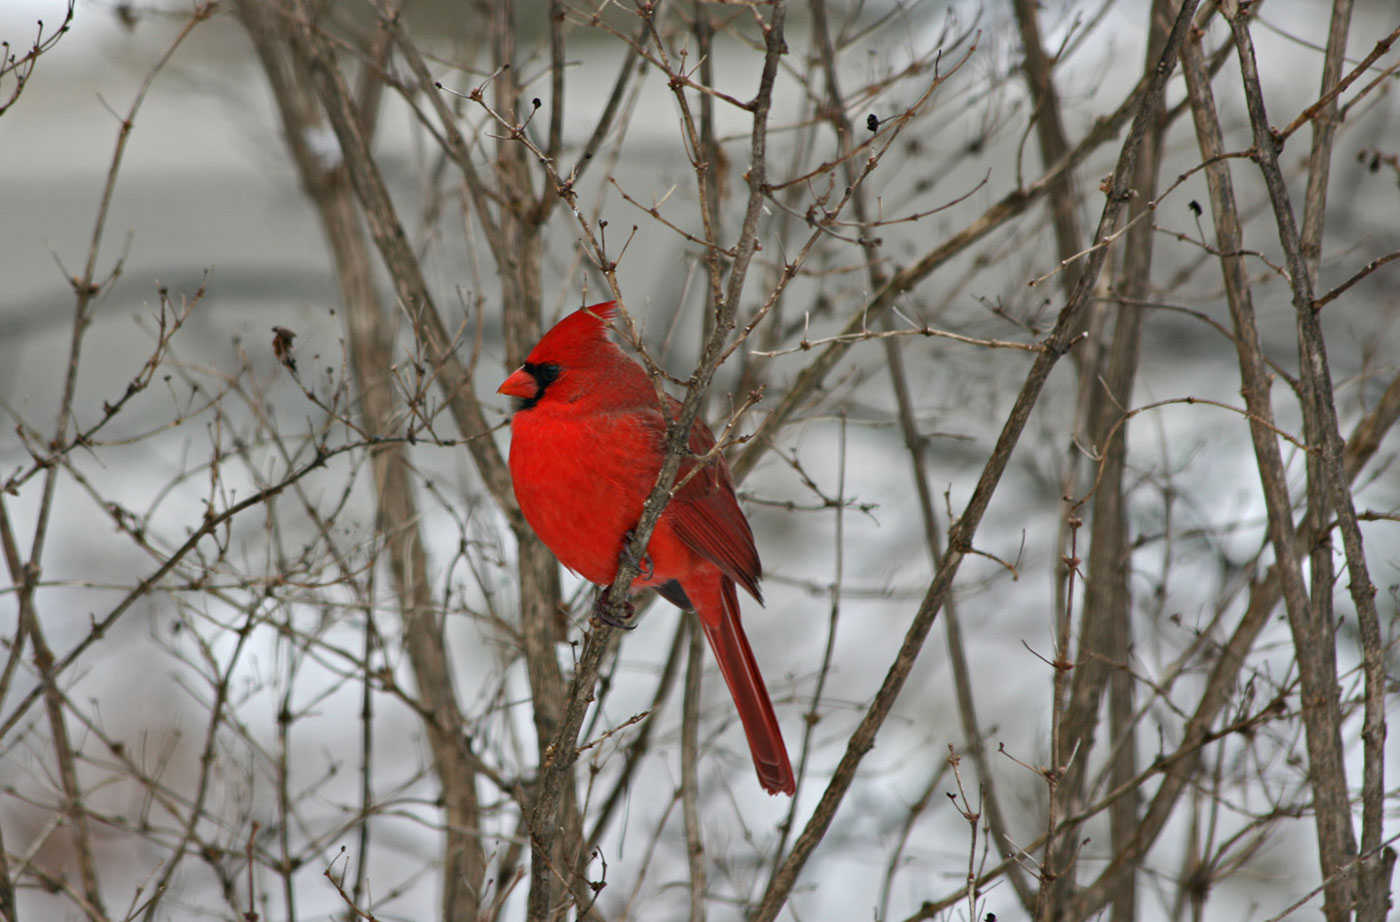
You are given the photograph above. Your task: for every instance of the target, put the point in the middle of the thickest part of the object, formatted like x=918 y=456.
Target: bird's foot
x=645 y=570
x=604 y=613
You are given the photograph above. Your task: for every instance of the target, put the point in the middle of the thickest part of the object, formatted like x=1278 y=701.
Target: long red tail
x=740 y=670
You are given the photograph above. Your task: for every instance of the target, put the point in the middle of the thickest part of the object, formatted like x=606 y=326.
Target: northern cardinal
x=586 y=445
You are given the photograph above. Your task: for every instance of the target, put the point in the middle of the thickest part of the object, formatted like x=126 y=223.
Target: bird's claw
x=645 y=570
x=603 y=612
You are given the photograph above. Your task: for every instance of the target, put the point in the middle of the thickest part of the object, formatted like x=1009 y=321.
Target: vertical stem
x=7 y=885
x=284 y=782
x=1336 y=837
x=1105 y=636
x=292 y=70
x=1050 y=133
x=520 y=228
x=366 y=791
x=835 y=111
x=690 y=780
x=1054 y=863
x=1324 y=133
x=1088 y=357
x=961 y=534
x=86 y=290
x=1373 y=881
x=1312 y=640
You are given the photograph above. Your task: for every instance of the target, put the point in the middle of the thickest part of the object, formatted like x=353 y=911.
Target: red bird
x=586 y=445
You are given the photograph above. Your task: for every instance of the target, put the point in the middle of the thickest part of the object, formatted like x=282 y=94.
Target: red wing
x=706 y=516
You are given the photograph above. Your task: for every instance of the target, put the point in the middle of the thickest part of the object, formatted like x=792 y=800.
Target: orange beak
x=520 y=384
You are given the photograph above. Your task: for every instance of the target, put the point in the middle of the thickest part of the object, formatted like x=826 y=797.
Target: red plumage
x=586 y=445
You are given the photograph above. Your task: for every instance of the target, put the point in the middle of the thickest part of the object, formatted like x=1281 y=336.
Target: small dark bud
x=1195 y=207
x=282 y=347
x=872 y=123
x=536 y=102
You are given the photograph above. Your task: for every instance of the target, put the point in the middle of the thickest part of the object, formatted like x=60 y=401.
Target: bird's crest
x=582 y=334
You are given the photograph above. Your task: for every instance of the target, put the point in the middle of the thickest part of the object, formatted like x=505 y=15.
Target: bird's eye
x=544 y=373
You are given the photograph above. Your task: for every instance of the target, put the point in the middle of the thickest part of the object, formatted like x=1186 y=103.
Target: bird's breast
x=581 y=482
